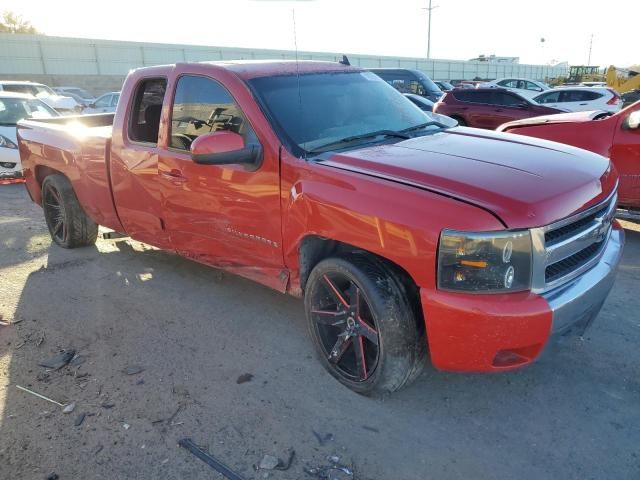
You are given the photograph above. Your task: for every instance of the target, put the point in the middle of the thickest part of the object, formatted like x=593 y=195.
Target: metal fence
x=44 y=55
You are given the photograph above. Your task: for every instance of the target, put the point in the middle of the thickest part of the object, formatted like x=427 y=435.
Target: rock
x=79 y=419
x=244 y=378
x=133 y=370
x=269 y=462
x=59 y=361
x=69 y=408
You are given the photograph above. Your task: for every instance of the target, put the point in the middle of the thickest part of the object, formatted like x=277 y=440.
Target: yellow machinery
x=623 y=80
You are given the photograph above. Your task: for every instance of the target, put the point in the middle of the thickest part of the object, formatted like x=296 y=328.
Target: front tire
x=363 y=325
x=69 y=226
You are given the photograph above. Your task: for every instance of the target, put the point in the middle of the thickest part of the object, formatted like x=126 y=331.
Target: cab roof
x=248 y=69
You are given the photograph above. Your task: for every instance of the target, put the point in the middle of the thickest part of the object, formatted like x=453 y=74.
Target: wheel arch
x=40 y=173
x=315 y=248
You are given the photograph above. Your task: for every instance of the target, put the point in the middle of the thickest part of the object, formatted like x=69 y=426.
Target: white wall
x=43 y=55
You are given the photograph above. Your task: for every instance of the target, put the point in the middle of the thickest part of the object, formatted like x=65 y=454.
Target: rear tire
x=69 y=226
x=363 y=325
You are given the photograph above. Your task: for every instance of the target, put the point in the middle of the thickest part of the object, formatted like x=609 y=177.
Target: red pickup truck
x=616 y=136
x=400 y=230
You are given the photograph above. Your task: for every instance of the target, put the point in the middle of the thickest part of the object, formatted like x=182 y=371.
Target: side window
x=505 y=99
x=533 y=86
x=577 y=96
x=416 y=87
x=18 y=88
x=202 y=105
x=144 y=117
x=552 y=97
x=462 y=96
x=104 y=101
x=509 y=83
x=114 y=100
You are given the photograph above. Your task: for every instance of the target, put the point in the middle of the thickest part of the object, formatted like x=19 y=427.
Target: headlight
x=6 y=143
x=484 y=262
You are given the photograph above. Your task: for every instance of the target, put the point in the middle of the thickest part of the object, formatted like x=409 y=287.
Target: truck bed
x=79 y=148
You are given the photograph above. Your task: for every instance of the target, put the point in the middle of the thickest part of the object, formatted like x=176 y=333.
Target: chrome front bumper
x=580 y=300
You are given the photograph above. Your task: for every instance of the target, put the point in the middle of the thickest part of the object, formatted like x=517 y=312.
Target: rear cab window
x=146 y=109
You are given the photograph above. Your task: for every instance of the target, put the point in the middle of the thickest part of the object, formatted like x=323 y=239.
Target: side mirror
x=633 y=121
x=523 y=105
x=92 y=105
x=223 y=148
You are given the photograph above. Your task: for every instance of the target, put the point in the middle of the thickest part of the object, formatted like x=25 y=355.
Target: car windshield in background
x=12 y=110
x=314 y=111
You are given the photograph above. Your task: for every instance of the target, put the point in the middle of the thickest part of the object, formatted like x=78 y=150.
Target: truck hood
x=526 y=182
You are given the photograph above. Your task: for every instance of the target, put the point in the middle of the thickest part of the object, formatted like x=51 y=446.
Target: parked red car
x=615 y=136
x=488 y=107
x=398 y=228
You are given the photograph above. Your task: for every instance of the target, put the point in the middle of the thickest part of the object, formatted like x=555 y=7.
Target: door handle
x=583 y=104
x=174 y=176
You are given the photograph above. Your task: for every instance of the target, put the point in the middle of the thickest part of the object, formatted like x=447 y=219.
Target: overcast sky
x=461 y=29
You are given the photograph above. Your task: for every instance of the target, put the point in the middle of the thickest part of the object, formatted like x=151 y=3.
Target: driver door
x=222 y=215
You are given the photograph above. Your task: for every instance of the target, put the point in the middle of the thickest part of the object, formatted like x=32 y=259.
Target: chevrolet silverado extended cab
x=403 y=232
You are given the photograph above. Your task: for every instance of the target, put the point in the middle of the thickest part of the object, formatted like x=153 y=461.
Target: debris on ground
x=40 y=396
x=79 y=419
x=323 y=439
x=78 y=360
x=268 y=462
x=244 y=378
x=334 y=471
x=59 y=361
x=285 y=465
x=13 y=322
x=126 y=426
x=133 y=370
x=188 y=444
x=69 y=408
x=170 y=419
x=52 y=476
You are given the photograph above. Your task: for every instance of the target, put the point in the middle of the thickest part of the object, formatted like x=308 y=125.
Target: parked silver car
x=104 y=104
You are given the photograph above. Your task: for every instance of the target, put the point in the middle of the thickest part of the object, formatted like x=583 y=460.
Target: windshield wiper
x=424 y=125
x=363 y=136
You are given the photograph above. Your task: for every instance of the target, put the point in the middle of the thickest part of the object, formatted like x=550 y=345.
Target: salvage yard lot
x=233 y=359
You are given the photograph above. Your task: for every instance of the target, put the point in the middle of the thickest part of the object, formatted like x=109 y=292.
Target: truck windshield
x=321 y=109
x=12 y=110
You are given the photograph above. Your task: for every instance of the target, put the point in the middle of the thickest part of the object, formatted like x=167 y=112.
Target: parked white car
x=77 y=93
x=581 y=99
x=522 y=86
x=59 y=102
x=104 y=104
x=13 y=108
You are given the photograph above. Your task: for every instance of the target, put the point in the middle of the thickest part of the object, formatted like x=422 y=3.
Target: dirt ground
x=229 y=364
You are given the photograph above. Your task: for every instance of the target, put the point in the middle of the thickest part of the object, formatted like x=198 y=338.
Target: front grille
x=564 y=267
x=570 y=247
x=578 y=226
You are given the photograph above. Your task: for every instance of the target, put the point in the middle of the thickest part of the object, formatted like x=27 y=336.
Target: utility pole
x=429 y=8
x=590 y=46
